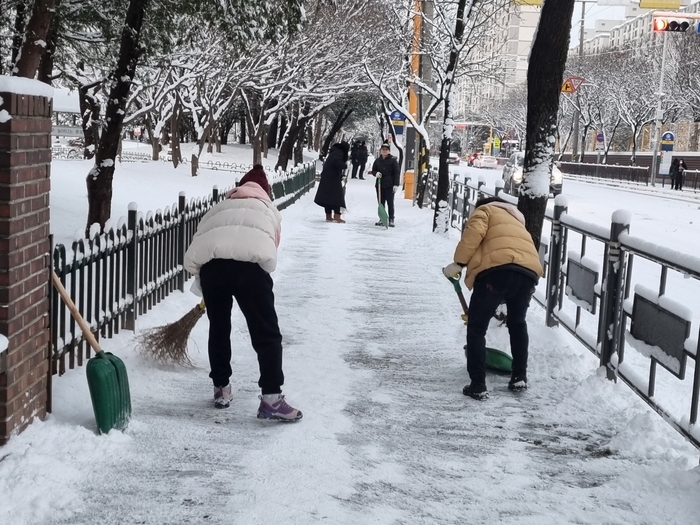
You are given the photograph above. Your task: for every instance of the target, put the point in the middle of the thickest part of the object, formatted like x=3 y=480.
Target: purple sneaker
x=273 y=406
x=222 y=396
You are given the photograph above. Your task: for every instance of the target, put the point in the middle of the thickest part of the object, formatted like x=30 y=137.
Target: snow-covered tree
x=545 y=75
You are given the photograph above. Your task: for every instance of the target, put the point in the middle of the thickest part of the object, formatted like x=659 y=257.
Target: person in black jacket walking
x=359 y=160
x=330 y=195
x=389 y=181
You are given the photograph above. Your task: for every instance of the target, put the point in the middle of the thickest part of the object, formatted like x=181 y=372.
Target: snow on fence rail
x=118 y=274
x=599 y=291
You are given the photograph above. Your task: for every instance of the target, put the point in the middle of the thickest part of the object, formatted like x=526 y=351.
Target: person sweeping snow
x=502 y=265
x=232 y=255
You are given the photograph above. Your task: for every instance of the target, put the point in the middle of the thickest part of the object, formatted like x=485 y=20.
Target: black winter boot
x=476 y=391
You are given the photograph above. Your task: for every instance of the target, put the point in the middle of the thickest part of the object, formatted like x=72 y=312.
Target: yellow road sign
x=567 y=86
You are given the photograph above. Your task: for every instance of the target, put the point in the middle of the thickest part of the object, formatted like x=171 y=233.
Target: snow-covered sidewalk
x=374 y=358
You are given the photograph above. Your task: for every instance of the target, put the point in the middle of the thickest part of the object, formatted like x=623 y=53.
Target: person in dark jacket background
x=359 y=160
x=673 y=174
x=681 y=174
x=388 y=184
x=330 y=194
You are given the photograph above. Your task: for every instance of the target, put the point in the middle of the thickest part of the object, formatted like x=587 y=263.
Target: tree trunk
x=272 y=134
x=99 y=180
x=318 y=132
x=217 y=138
x=35 y=38
x=294 y=135
x=175 y=133
x=339 y=121
x=283 y=125
x=244 y=133
x=152 y=139
x=544 y=78
x=299 y=146
x=582 y=148
x=264 y=139
x=90 y=111
x=441 y=217
x=20 y=26
x=45 y=72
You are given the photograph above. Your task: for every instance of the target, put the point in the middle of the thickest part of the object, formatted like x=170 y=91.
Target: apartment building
x=508 y=46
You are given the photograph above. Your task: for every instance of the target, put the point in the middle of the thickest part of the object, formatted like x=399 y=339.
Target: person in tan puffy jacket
x=502 y=266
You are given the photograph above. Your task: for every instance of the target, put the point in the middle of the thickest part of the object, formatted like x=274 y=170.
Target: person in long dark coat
x=673 y=172
x=330 y=195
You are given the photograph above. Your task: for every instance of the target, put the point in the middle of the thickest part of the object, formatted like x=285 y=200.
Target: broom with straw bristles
x=168 y=344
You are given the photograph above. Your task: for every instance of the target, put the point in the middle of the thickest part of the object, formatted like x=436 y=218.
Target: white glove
x=396 y=188
x=452 y=270
x=196 y=287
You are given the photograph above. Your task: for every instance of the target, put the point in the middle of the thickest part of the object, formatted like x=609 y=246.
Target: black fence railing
x=631 y=174
x=119 y=274
x=590 y=290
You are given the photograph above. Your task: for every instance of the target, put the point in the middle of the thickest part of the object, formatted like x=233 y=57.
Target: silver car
x=513 y=175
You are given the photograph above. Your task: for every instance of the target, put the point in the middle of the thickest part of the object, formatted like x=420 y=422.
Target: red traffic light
x=659 y=24
x=663 y=23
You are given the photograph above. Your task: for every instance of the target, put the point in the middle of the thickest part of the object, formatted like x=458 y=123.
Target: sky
x=373 y=357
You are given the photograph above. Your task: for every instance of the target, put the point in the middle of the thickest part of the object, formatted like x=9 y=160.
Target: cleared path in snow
x=373 y=357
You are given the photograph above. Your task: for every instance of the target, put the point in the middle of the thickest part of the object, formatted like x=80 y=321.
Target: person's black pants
x=223 y=280
x=362 y=170
x=386 y=196
x=355 y=169
x=679 y=181
x=330 y=210
x=515 y=289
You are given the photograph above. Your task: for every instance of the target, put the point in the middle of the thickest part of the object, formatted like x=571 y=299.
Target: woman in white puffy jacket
x=232 y=255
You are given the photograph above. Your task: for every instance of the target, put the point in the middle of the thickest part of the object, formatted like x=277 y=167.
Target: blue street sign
x=667 y=141
x=600 y=137
x=397 y=115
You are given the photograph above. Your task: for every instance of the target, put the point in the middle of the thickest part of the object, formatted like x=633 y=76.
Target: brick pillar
x=25 y=161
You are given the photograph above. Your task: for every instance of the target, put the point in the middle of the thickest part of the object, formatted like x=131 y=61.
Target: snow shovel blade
x=496 y=360
x=383 y=216
x=109 y=390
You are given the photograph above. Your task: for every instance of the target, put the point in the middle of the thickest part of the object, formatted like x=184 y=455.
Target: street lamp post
x=659 y=112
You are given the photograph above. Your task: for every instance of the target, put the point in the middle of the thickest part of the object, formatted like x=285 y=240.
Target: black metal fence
x=121 y=273
x=590 y=289
x=632 y=174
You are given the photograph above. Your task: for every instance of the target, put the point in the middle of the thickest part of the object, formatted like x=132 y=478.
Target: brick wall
x=25 y=162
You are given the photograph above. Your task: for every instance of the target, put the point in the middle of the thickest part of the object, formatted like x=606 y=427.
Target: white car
x=483 y=161
x=513 y=175
x=453 y=158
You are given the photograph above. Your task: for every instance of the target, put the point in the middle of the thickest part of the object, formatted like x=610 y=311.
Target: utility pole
x=574 y=147
x=659 y=112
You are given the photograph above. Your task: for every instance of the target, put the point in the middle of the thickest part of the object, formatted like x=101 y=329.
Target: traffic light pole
x=659 y=112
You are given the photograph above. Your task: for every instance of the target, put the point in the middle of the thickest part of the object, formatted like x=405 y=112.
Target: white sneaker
x=222 y=396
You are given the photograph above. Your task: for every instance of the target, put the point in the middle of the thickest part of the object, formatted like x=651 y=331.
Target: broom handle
x=87 y=333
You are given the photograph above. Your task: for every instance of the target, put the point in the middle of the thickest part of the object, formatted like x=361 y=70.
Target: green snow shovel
x=383 y=216
x=106 y=374
x=495 y=359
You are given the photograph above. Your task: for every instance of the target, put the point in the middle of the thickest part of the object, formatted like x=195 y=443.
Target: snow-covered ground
x=374 y=358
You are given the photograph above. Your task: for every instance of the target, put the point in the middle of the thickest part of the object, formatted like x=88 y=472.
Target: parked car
x=513 y=175
x=485 y=161
x=453 y=158
x=470 y=158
